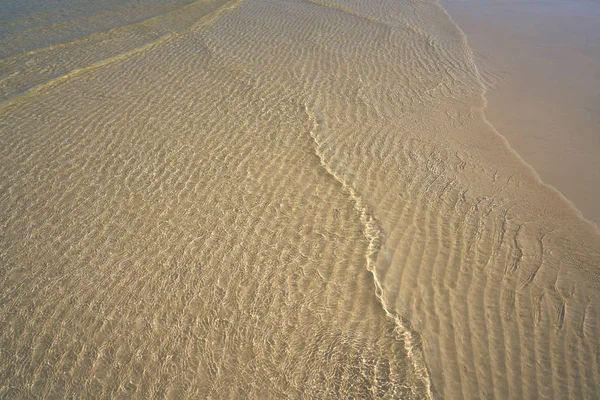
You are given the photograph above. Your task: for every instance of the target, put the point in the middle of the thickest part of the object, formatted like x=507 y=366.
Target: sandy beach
x=281 y=199
x=540 y=63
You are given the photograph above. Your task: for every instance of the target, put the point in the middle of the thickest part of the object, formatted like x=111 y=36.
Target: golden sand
x=287 y=199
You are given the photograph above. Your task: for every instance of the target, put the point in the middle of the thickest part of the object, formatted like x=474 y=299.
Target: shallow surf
x=279 y=199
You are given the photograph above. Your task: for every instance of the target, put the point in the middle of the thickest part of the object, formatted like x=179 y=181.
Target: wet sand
x=279 y=199
x=541 y=63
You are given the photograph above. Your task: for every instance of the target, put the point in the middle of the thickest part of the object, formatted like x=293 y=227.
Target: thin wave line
x=204 y=21
x=375 y=236
x=100 y=34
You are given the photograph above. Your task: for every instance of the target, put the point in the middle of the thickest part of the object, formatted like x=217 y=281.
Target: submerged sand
x=280 y=199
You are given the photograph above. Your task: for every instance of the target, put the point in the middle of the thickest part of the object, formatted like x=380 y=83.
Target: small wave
x=375 y=236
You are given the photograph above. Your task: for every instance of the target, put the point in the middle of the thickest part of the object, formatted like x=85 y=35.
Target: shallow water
x=279 y=199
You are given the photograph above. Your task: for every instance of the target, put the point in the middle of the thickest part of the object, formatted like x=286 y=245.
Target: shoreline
x=304 y=199
x=541 y=172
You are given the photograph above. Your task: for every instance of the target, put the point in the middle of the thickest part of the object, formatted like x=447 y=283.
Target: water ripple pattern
x=276 y=199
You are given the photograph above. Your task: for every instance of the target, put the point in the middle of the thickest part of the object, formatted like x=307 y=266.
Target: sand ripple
x=289 y=199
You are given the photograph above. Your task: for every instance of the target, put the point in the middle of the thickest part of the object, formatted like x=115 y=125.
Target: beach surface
x=276 y=199
x=539 y=60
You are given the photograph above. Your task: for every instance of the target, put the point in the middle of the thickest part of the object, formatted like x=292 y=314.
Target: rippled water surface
x=274 y=199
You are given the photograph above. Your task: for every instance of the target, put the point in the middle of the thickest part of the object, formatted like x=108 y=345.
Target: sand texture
x=540 y=64
x=282 y=199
